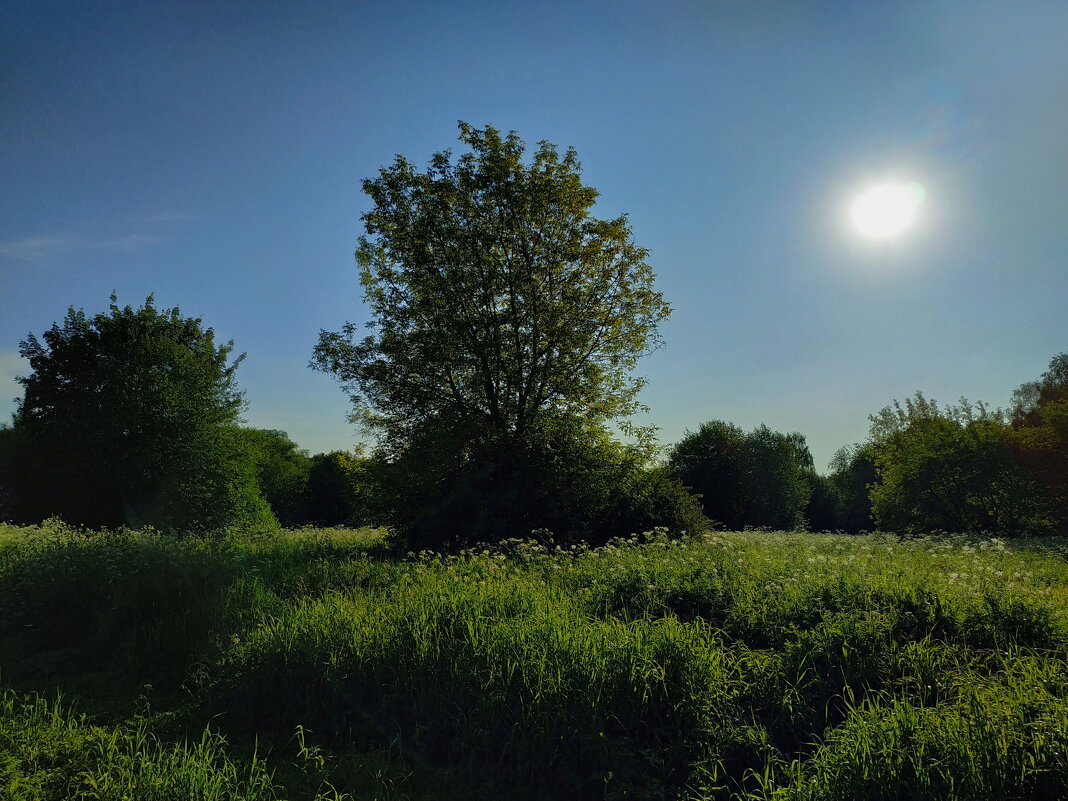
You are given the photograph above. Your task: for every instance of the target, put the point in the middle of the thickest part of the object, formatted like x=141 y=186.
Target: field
x=323 y=665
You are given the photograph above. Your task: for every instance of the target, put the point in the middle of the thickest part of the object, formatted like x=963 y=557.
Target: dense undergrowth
x=729 y=665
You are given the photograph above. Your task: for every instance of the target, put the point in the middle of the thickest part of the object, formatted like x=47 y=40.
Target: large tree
x=130 y=417
x=495 y=296
x=505 y=322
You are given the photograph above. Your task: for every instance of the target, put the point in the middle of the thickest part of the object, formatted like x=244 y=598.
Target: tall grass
x=755 y=665
x=47 y=753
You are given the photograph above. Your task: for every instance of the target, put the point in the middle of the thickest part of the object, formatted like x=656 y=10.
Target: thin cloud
x=41 y=247
x=33 y=249
x=131 y=242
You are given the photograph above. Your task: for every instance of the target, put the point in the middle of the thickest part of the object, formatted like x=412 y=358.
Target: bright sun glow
x=886 y=210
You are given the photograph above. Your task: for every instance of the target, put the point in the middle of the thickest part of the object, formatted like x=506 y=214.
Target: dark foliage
x=1039 y=439
x=567 y=477
x=327 y=489
x=951 y=469
x=130 y=418
x=763 y=478
x=340 y=489
x=824 y=511
x=852 y=473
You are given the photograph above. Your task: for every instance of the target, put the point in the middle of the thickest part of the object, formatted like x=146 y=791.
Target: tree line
x=493 y=374
x=924 y=468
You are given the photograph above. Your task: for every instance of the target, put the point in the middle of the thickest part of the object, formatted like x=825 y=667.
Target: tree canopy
x=762 y=478
x=950 y=468
x=495 y=296
x=130 y=417
x=1029 y=399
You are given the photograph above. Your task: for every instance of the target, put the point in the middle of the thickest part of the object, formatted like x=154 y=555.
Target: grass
x=45 y=752
x=321 y=665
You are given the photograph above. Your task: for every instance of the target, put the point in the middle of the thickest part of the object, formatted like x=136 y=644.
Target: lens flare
x=885 y=211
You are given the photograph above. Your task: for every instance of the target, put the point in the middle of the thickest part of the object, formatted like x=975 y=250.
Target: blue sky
x=212 y=153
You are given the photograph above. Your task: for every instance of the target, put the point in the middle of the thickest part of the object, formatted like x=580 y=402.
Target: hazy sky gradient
x=212 y=153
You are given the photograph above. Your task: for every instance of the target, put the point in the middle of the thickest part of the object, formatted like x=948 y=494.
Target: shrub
x=568 y=477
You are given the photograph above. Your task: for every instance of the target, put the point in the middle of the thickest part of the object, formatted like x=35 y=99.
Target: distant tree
x=711 y=461
x=327 y=489
x=339 y=491
x=949 y=469
x=130 y=417
x=498 y=304
x=897 y=417
x=283 y=471
x=824 y=510
x=756 y=479
x=852 y=474
x=1051 y=387
x=775 y=482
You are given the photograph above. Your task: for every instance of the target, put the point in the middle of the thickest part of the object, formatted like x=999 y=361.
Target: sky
x=213 y=153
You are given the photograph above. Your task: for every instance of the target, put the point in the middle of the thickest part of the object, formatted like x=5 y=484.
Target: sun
x=886 y=211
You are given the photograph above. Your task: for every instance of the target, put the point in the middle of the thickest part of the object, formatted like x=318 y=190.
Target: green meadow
x=324 y=664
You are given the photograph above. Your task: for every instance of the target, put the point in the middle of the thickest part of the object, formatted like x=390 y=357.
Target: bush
x=567 y=477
